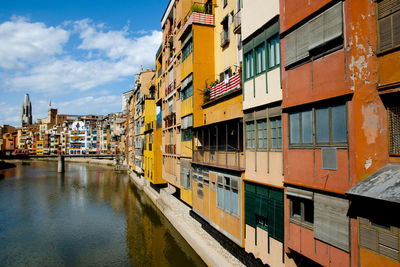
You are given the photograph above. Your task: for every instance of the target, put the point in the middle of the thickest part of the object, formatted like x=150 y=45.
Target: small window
x=274 y=52
x=262 y=135
x=225 y=3
x=302 y=210
x=249 y=65
x=260 y=58
x=250 y=131
x=276 y=132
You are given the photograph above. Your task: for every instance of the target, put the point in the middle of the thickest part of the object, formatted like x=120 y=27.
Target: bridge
x=89 y=156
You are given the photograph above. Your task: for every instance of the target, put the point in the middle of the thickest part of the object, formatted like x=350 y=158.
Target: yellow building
x=39 y=147
x=152 y=154
x=218 y=159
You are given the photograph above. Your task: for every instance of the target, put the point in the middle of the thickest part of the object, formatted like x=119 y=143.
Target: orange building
x=334 y=123
x=376 y=198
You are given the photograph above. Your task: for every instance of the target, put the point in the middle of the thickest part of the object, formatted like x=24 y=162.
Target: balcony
x=229 y=159
x=170 y=88
x=237 y=22
x=170 y=119
x=199 y=14
x=170 y=149
x=225 y=87
x=224 y=38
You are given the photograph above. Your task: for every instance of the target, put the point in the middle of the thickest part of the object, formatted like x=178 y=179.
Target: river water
x=89 y=216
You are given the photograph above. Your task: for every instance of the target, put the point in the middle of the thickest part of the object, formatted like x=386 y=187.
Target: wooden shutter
x=302 y=37
x=385 y=33
x=333 y=20
x=396 y=29
x=316 y=32
x=326 y=26
x=387 y=7
x=331 y=223
x=290 y=48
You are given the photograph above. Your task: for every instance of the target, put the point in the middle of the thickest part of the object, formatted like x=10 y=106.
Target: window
x=249 y=65
x=276 y=132
x=260 y=58
x=262 y=135
x=186 y=135
x=388 y=24
x=228 y=194
x=394 y=130
x=274 y=52
x=330 y=124
x=187 y=92
x=225 y=3
x=250 y=135
x=300 y=127
x=302 y=210
x=187 y=49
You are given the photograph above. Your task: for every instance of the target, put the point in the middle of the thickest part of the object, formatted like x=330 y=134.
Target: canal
x=89 y=216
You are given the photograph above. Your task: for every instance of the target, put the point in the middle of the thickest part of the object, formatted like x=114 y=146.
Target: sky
x=78 y=55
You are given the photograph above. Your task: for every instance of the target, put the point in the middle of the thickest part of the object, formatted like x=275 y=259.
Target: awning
x=187 y=122
x=382 y=185
x=296 y=192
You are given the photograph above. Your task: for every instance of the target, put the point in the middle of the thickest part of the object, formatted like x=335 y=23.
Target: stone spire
x=26 y=116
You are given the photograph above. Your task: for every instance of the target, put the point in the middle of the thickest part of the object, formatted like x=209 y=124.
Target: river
x=89 y=216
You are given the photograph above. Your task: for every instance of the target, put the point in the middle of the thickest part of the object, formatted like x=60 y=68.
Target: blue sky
x=80 y=55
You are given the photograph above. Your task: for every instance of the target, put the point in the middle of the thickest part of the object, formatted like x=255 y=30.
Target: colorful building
x=375 y=200
x=218 y=158
x=334 y=124
x=262 y=100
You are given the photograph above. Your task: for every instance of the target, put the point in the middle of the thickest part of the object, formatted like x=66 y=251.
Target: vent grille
x=394 y=128
x=329 y=159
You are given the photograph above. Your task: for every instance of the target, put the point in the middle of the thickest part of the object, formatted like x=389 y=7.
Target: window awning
x=382 y=185
x=187 y=122
x=296 y=192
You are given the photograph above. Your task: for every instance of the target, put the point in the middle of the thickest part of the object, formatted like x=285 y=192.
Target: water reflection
x=88 y=216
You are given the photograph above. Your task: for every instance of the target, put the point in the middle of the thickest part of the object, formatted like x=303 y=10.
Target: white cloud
x=84 y=105
x=23 y=42
x=112 y=56
x=10 y=114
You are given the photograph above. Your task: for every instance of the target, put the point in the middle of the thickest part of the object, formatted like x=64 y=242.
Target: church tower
x=26 y=116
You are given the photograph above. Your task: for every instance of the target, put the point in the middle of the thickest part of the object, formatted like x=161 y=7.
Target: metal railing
x=170 y=149
x=170 y=88
x=230 y=158
x=224 y=38
x=237 y=21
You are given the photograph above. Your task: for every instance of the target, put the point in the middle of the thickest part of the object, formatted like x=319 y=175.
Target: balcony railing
x=237 y=22
x=224 y=38
x=225 y=87
x=170 y=149
x=170 y=88
x=230 y=159
x=199 y=13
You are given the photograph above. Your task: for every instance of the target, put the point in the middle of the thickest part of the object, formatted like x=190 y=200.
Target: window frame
x=300 y=220
x=225 y=186
x=273 y=41
x=250 y=74
x=314 y=142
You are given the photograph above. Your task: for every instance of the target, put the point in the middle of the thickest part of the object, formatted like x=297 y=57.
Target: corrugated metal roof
x=382 y=185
